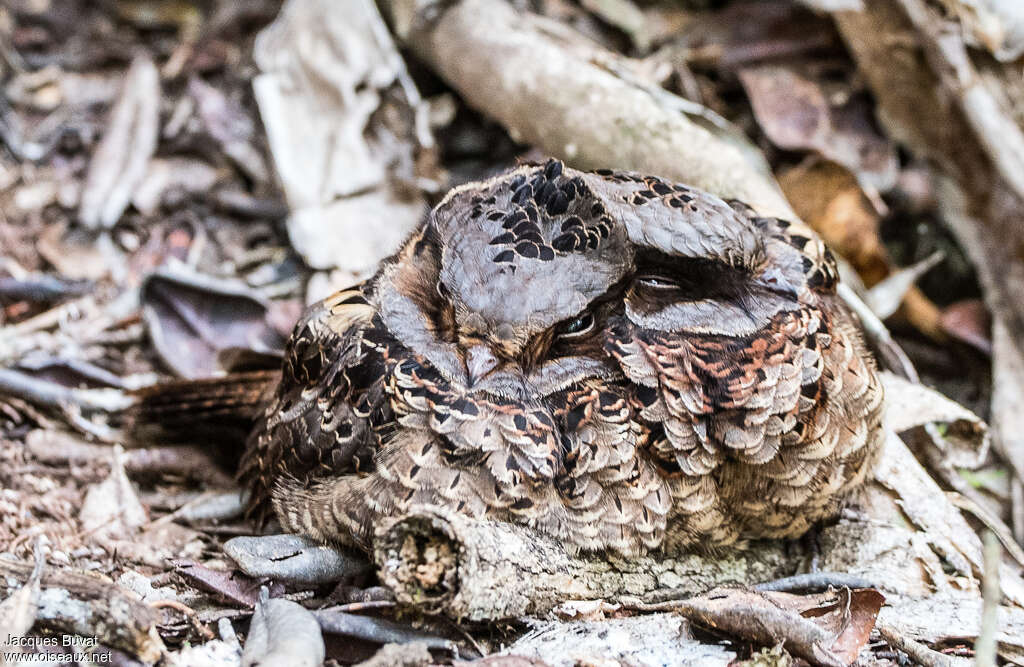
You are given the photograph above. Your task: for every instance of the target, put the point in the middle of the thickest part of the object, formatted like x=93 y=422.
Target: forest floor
x=178 y=179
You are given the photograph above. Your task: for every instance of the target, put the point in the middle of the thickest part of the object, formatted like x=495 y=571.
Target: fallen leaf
x=111 y=510
x=969 y=321
x=851 y=615
x=887 y=295
x=795 y=112
x=119 y=163
x=339 y=162
x=230 y=126
x=827 y=196
x=230 y=587
x=911 y=405
x=192 y=317
x=283 y=633
x=335 y=236
x=825 y=629
x=294 y=559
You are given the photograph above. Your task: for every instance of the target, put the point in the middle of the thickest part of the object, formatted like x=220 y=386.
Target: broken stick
x=78 y=603
x=447 y=563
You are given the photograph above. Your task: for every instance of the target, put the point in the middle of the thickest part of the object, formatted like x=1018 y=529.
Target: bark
x=479 y=570
x=78 y=603
x=965 y=117
x=575 y=100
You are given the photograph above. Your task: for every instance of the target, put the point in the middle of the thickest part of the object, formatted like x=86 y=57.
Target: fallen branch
x=557 y=91
x=78 y=603
x=51 y=394
x=480 y=570
x=917 y=651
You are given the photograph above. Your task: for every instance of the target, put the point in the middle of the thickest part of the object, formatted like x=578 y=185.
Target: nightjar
x=620 y=362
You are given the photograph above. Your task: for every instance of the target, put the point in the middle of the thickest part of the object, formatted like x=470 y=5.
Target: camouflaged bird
x=620 y=362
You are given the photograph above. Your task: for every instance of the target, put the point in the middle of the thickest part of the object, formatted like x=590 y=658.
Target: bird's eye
x=657 y=282
x=442 y=291
x=578 y=327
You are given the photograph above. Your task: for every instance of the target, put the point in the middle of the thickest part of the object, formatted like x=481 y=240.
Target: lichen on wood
x=87 y=605
x=445 y=562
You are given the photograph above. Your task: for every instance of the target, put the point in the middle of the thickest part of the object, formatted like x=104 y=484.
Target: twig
x=189 y=613
x=815 y=581
x=360 y=606
x=51 y=394
x=991 y=521
x=42 y=287
x=917 y=651
x=985 y=645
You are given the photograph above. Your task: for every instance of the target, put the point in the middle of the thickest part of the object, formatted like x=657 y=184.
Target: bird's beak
x=480 y=361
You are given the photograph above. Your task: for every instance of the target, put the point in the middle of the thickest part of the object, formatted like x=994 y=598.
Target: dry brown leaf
x=230 y=126
x=825 y=629
x=283 y=633
x=827 y=196
x=228 y=586
x=119 y=163
x=111 y=510
x=965 y=437
x=191 y=318
x=796 y=113
x=969 y=321
x=850 y=615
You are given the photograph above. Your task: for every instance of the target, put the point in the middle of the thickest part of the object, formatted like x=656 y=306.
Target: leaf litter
x=145 y=233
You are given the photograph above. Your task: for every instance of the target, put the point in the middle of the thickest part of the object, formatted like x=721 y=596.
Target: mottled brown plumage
x=623 y=363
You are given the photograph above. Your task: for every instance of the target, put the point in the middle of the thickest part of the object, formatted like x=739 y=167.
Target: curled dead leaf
x=191 y=318
x=824 y=628
x=797 y=113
